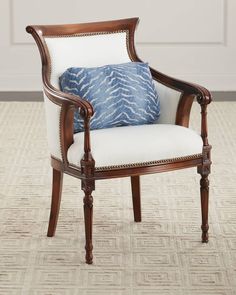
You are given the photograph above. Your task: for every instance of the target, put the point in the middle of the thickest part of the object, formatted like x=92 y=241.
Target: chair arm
x=189 y=91
x=62 y=98
x=182 y=86
x=68 y=103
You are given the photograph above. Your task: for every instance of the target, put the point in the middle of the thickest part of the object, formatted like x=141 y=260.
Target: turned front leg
x=88 y=221
x=204 y=188
x=204 y=171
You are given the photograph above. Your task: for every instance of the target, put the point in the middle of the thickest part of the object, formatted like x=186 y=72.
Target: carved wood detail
x=204 y=170
x=88 y=219
x=88 y=185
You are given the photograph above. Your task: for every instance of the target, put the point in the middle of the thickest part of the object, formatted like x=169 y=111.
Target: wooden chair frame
x=88 y=173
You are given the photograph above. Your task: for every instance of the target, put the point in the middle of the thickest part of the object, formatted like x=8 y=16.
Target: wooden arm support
x=62 y=98
x=182 y=86
x=189 y=92
x=68 y=105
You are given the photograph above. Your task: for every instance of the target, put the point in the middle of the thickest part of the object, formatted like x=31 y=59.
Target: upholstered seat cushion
x=137 y=144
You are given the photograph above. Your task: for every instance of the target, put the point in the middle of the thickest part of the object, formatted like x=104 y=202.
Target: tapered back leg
x=57 y=180
x=135 y=186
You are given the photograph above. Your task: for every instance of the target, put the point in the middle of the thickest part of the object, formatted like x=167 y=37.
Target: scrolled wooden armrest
x=62 y=98
x=188 y=89
x=204 y=96
x=189 y=92
x=68 y=102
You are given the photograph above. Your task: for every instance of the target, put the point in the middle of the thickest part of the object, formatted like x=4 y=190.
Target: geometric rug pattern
x=162 y=255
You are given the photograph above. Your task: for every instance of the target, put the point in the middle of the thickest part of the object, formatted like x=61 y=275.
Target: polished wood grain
x=135 y=187
x=88 y=221
x=87 y=171
x=131 y=171
x=184 y=109
x=91 y=27
x=57 y=179
x=88 y=185
x=204 y=170
x=204 y=183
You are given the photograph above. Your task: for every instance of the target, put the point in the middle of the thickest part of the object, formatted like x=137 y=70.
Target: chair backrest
x=89 y=45
x=86 y=45
x=86 y=50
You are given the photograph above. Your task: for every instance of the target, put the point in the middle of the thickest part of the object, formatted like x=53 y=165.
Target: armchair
x=166 y=146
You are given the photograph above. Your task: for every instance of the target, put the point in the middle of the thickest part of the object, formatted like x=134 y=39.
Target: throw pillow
x=121 y=94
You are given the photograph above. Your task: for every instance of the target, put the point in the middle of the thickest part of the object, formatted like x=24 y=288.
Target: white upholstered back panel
x=86 y=51
x=169 y=99
x=83 y=51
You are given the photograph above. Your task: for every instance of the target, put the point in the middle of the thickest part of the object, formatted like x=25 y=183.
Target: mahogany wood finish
x=57 y=179
x=204 y=183
x=88 y=220
x=87 y=172
x=183 y=110
x=204 y=170
x=135 y=186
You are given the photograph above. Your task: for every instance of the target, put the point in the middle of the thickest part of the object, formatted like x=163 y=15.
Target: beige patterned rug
x=162 y=255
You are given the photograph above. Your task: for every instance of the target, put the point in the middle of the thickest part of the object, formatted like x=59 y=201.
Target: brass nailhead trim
x=87 y=34
x=142 y=164
x=60 y=135
x=151 y=163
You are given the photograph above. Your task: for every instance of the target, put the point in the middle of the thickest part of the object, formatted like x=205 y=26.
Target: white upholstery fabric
x=169 y=99
x=53 y=123
x=137 y=144
x=92 y=51
x=85 y=51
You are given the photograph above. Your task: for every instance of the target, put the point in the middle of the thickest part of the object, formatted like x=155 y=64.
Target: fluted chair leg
x=88 y=221
x=204 y=206
x=204 y=190
x=135 y=186
x=57 y=180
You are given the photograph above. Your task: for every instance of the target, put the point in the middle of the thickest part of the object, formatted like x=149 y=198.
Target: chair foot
x=205 y=234
x=89 y=254
x=135 y=186
x=57 y=179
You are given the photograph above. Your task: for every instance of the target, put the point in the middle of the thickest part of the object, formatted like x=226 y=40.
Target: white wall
x=190 y=39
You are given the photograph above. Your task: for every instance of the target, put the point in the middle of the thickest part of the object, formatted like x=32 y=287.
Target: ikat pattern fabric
x=121 y=94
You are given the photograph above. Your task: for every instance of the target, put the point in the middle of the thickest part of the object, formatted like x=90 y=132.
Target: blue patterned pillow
x=121 y=94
